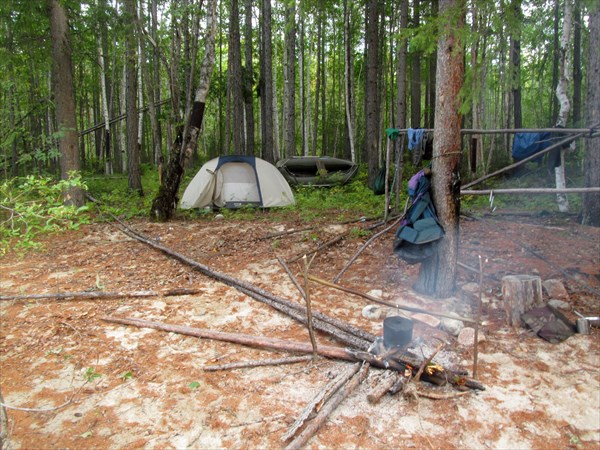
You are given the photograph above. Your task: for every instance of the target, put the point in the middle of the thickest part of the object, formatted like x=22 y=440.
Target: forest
x=109 y=87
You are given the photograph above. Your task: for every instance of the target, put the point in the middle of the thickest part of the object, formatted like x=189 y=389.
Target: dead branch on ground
x=100 y=295
x=313 y=427
x=322 y=396
x=264 y=362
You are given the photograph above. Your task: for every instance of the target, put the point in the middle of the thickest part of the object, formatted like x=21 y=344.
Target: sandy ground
x=81 y=382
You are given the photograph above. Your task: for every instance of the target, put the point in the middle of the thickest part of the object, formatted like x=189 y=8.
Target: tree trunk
x=415 y=84
x=266 y=82
x=577 y=77
x=318 y=84
x=591 y=201
x=563 y=99
x=437 y=274
x=248 y=81
x=349 y=81
x=289 y=81
x=515 y=62
x=64 y=98
x=166 y=200
x=235 y=79
x=372 y=89
x=134 y=179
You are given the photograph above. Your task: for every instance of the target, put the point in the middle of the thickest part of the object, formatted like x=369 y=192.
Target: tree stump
x=521 y=293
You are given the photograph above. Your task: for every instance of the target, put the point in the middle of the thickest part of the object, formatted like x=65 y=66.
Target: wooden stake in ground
x=309 y=320
x=478 y=318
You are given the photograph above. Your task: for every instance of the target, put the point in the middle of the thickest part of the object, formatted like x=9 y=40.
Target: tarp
x=235 y=181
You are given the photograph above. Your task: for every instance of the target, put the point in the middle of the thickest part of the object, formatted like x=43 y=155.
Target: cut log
x=384 y=384
x=521 y=293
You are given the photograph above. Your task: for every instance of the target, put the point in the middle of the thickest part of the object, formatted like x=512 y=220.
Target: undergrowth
x=32 y=206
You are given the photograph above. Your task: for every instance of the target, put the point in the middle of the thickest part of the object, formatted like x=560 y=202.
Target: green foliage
x=32 y=206
x=91 y=374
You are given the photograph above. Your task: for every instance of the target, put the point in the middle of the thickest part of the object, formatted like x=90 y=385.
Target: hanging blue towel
x=415 y=136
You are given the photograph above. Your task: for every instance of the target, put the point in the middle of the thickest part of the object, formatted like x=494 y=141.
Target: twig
x=320 y=247
x=314 y=426
x=309 y=318
x=478 y=319
x=436 y=396
x=364 y=246
x=322 y=396
x=291 y=275
x=425 y=363
x=264 y=362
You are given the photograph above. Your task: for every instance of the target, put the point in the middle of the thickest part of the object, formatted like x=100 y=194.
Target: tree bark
x=515 y=62
x=248 y=81
x=349 y=81
x=437 y=275
x=234 y=73
x=372 y=103
x=563 y=99
x=591 y=201
x=64 y=97
x=166 y=200
x=289 y=81
x=266 y=83
x=134 y=179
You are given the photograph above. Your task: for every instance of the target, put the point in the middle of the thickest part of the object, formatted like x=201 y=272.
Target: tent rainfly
x=235 y=181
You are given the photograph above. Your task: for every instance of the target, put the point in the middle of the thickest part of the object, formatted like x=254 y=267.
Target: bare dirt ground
x=102 y=385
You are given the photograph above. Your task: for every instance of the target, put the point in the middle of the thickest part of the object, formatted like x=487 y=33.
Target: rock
x=555 y=289
x=466 y=337
x=452 y=326
x=219 y=217
x=426 y=318
x=374 y=312
x=559 y=304
x=376 y=293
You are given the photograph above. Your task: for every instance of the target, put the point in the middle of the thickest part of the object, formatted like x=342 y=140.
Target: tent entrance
x=237 y=185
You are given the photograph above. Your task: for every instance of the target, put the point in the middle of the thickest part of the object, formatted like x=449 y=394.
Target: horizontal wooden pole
x=530 y=191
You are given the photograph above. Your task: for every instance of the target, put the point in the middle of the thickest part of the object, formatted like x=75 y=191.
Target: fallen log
x=342 y=331
x=327 y=351
x=100 y=295
x=386 y=303
x=313 y=427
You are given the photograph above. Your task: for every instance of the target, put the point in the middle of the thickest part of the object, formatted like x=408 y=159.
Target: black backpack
x=420 y=228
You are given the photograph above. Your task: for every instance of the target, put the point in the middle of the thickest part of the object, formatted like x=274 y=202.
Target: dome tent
x=234 y=181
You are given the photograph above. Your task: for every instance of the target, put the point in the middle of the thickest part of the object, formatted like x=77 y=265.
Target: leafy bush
x=32 y=206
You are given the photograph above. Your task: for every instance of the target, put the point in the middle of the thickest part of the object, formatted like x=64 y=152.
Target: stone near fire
x=427 y=319
x=559 y=304
x=555 y=289
x=452 y=326
x=376 y=293
x=466 y=337
x=374 y=312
